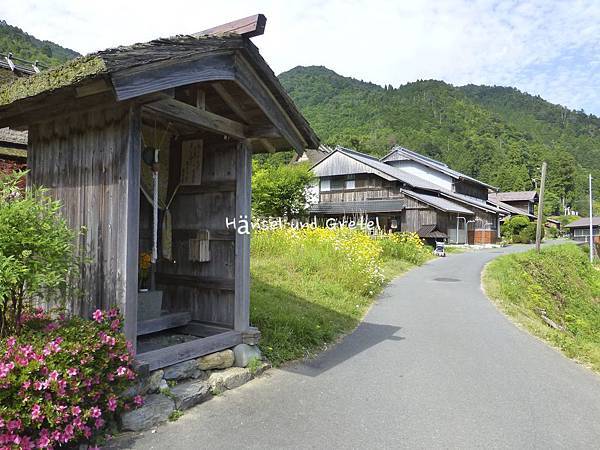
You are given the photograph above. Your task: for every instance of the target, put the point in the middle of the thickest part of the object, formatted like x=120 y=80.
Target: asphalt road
x=434 y=365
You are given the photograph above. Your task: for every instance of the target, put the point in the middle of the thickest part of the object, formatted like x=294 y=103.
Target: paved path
x=434 y=365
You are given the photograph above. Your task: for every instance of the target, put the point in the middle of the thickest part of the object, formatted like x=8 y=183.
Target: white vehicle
x=439 y=249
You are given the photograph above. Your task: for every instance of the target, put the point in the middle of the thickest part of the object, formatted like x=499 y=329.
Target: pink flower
x=53 y=375
x=87 y=432
x=75 y=410
x=14 y=425
x=121 y=371
x=43 y=442
x=113 y=313
x=26 y=384
x=110 y=377
x=36 y=413
x=112 y=403
x=98 y=316
x=11 y=341
x=138 y=400
x=95 y=412
x=99 y=423
x=115 y=324
x=72 y=372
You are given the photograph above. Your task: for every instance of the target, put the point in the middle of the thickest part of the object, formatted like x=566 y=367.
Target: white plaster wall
x=424 y=172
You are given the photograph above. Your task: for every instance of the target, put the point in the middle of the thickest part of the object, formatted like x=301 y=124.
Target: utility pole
x=591 y=226
x=538 y=231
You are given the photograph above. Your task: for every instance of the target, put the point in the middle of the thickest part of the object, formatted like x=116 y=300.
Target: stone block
x=156 y=409
x=244 y=353
x=219 y=360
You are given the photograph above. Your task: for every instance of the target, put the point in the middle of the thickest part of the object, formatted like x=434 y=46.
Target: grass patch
x=560 y=284
x=311 y=286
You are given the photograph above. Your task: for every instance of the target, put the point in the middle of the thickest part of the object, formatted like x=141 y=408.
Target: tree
x=280 y=191
x=36 y=250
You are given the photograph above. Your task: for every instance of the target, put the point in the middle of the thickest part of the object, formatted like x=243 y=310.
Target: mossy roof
x=69 y=73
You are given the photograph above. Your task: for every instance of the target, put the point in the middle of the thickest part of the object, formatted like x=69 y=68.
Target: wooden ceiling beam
x=248 y=27
x=178 y=111
x=231 y=102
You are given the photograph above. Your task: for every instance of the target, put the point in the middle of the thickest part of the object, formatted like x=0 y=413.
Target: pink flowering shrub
x=60 y=380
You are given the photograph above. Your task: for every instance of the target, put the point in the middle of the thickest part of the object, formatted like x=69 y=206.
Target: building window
x=337 y=183
x=325 y=184
x=350 y=182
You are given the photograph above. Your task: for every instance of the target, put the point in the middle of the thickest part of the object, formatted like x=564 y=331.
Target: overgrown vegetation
x=519 y=230
x=280 y=190
x=36 y=251
x=499 y=135
x=554 y=294
x=25 y=46
x=61 y=380
x=310 y=286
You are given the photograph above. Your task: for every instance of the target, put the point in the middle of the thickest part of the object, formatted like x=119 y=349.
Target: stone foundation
x=187 y=384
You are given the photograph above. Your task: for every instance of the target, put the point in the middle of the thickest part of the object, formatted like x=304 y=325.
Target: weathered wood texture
x=164 y=322
x=205 y=289
x=243 y=197
x=248 y=27
x=90 y=162
x=174 y=354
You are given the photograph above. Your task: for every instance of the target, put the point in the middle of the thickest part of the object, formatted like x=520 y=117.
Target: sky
x=543 y=47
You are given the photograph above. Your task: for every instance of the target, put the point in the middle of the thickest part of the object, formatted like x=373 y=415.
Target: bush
x=512 y=227
x=36 y=250
x=405 y=246
x=61 y=379
x=280 y=191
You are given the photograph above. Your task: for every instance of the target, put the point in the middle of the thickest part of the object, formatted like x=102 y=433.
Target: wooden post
x=591 y=226
x=241 y=318
x=134 y=149
x=538 y=231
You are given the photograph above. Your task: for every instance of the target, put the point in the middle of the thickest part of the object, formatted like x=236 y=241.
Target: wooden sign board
x=191 y=162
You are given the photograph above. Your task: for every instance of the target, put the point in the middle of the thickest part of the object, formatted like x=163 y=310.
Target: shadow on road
x=367 y=335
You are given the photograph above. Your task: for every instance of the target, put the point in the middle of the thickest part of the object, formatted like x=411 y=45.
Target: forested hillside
x=25 y=46
x=499 y=135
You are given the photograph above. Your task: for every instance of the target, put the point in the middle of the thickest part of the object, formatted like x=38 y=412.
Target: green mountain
x=499 y=135
x=27 y=47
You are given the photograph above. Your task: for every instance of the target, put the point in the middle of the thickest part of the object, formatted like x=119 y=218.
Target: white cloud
x=520 y=43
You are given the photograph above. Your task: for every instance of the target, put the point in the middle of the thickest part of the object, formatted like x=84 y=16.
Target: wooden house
x=405 y=191
x=149 y=149
x=580 y=229
x=524 y=201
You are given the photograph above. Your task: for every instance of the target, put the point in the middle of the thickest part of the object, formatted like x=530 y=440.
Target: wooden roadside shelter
x=203 y=103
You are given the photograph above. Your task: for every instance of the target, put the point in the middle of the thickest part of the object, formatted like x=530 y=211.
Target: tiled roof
x=439 y=202
x=517 y=196
x=404 y=153
x=585 y=222
x=369 y=206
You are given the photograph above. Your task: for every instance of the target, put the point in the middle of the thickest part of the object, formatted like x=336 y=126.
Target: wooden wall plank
x=243 y=194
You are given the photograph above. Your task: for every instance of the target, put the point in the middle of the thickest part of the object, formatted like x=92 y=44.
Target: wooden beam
x=165 y=322
x=94 y=87
x=264 y=132
x=182 y=112
x=149 y=78
x=251 y=83
x=207 y=187
x=231 y=102
x=202 y=329
x=248 y=27
x=157 y=359
x=223 y=284
x=132 y=216
x=243 y=194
